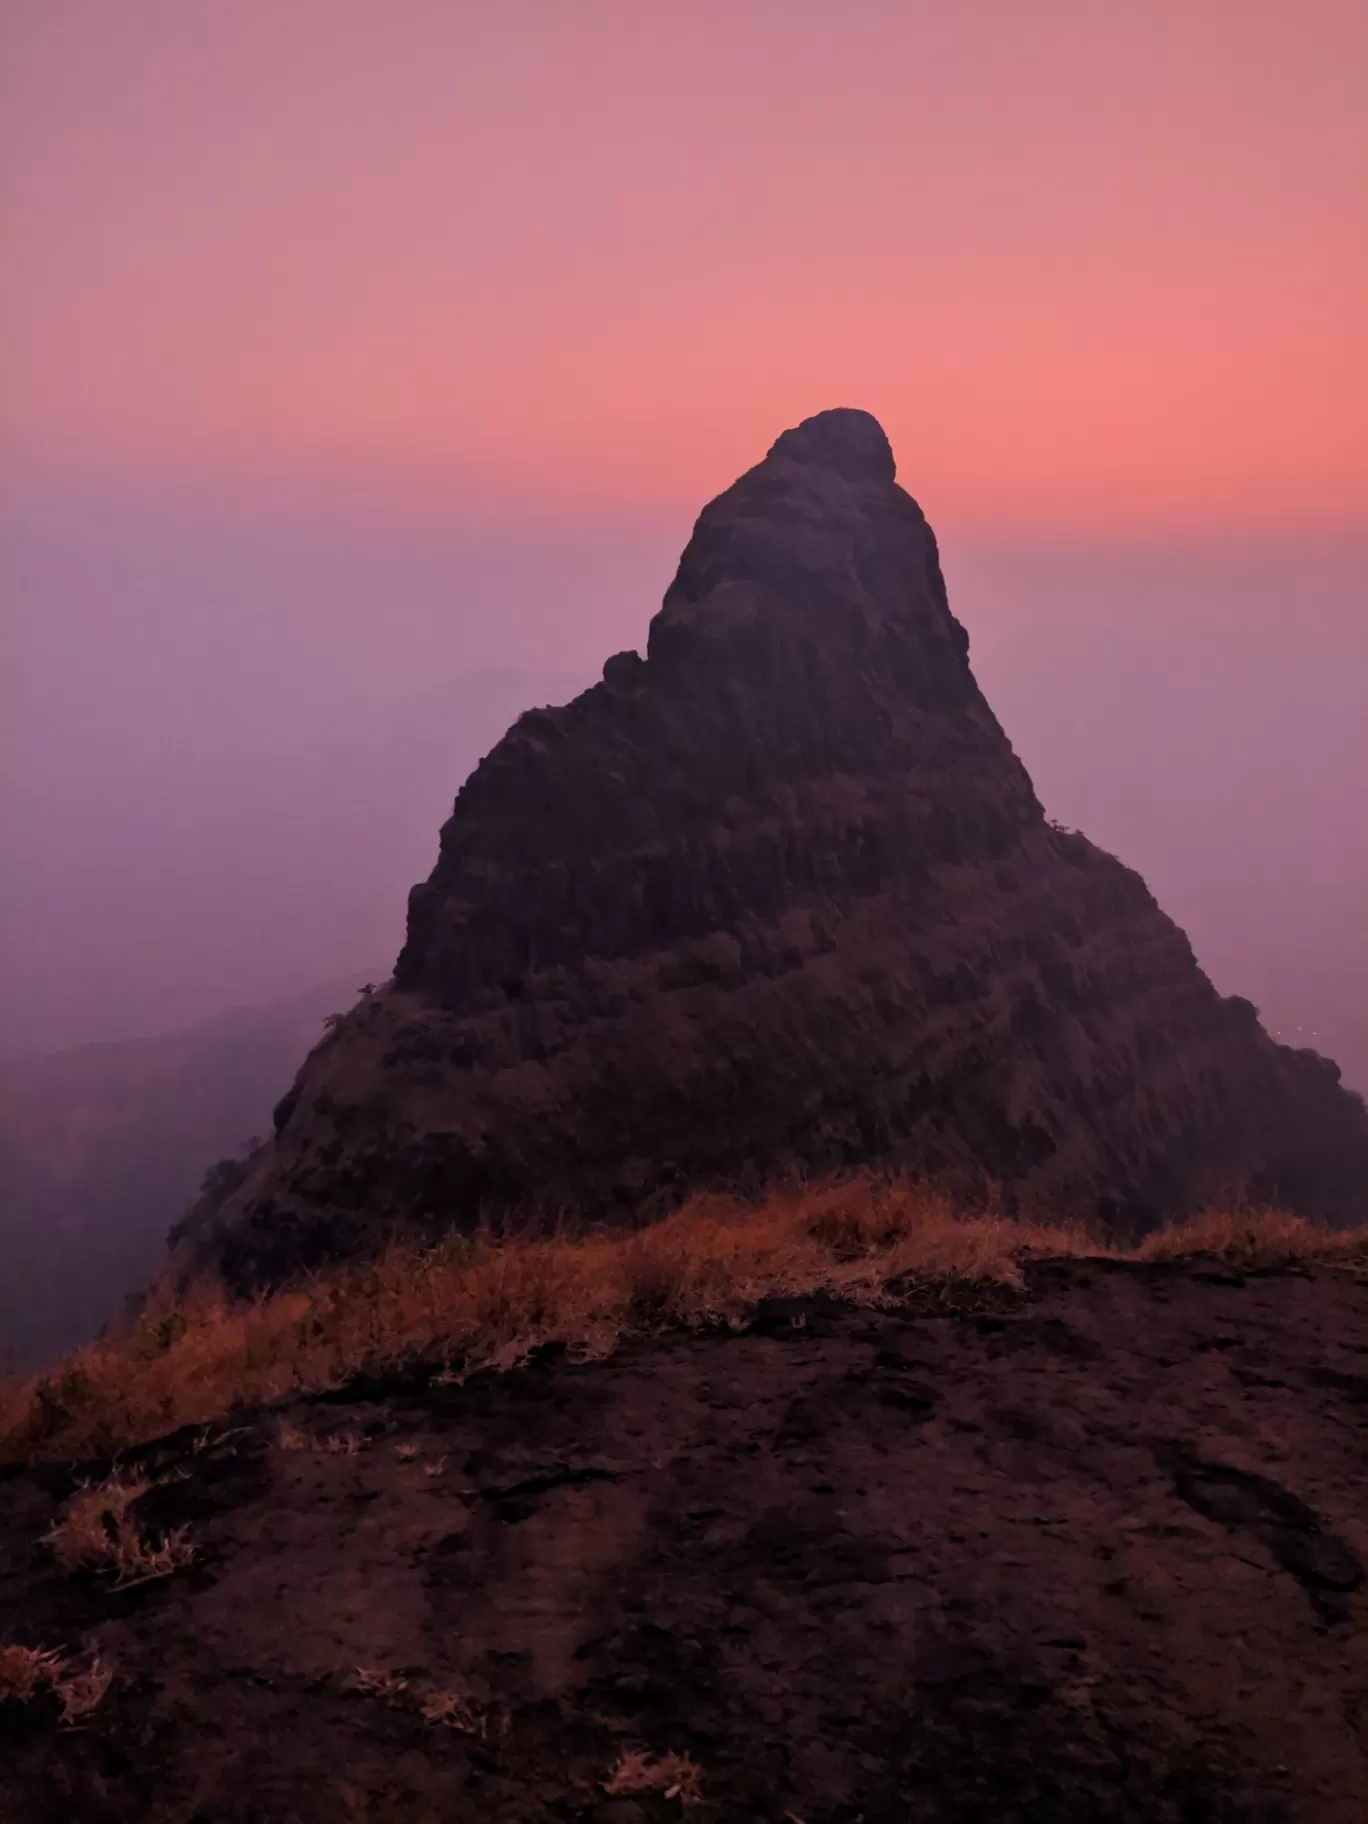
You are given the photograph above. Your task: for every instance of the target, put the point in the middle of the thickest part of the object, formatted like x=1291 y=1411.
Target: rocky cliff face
x=780 y=896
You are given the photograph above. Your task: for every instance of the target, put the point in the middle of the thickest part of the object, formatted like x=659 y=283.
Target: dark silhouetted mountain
x=781 y=896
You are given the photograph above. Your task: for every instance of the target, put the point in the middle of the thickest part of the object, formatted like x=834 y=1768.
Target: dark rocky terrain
x=780 y=895
x=1092 y=1553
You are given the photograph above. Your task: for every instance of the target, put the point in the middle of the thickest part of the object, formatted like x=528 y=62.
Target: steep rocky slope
x=1091 y=1553
x=780 y=895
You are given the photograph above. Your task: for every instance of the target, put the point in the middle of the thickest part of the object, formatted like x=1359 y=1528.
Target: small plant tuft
x=436 y=1704
x=674 y=1776
x=97 y=1532
x=373 y=1681
x=29 y=1675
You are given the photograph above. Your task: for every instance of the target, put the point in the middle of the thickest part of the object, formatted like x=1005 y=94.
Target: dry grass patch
x=374 y=1681
x=332 y=1444
x=1257 y=1238
x=439 y=1705
x=476 y=1303
x=97 y=1532
x=456 y=1710
x=30 y=1674
x=481 y=1303
x=675 y=1776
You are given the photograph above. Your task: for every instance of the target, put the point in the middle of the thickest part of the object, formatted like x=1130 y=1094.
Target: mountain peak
x=852 y=443
x=780 y=898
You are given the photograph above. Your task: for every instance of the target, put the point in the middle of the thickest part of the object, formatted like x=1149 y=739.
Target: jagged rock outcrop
x=780 y=896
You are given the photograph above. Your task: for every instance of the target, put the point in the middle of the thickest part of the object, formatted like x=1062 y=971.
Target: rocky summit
x=779 y=897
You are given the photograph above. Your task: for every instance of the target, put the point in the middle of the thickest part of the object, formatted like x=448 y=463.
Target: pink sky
x=1095 y=266
x=349 y=349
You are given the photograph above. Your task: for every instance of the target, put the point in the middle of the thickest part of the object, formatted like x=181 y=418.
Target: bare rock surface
x=1092 y=1553
x=779 y=896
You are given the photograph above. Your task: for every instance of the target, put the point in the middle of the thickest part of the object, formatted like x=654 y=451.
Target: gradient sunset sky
x=365 y=365
x=1098 y=266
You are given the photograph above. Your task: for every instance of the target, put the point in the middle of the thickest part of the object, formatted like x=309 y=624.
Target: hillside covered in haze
x=102 y=1147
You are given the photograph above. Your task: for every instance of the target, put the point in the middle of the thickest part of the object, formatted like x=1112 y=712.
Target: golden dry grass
x=674 y=1775
x=97 y=1532
x=30 y=1674
x=480 y=1303
x=1256 y=1238
x=436 y=1704
x=456 y=1710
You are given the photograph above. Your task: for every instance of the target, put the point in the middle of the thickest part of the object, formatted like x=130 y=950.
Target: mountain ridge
x=779 y=896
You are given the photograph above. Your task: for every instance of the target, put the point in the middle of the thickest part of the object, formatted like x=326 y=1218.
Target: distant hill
x=101 y=1148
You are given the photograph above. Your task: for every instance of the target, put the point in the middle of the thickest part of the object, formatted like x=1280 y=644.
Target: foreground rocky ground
x=1090 y=1553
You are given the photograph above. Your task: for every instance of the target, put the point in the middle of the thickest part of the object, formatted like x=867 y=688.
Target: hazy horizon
x=363 y=385
x=248 y=806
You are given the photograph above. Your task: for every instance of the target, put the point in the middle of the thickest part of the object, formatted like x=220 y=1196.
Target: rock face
x=780 y=896
x=1046 y=1561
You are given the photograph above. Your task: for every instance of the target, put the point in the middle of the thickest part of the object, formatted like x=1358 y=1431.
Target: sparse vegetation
x=332 y=1444
x=673 y=1775
x=97 y=1531
x=1255 y=1238
x=455 y=1710
x=468 y=1304
x=436 y=1704
x=374 y=1681
x=28 y=1675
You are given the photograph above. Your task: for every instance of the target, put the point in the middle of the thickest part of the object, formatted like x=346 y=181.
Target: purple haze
x=233 y=730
